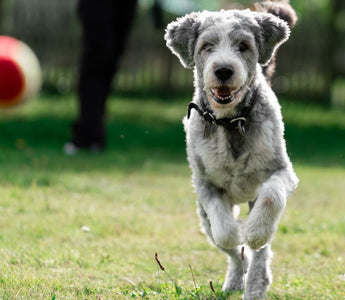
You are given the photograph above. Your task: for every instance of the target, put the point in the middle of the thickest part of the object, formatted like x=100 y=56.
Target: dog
x=235 y=136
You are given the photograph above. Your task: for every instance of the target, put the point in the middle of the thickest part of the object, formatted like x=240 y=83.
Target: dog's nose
x=224 y=73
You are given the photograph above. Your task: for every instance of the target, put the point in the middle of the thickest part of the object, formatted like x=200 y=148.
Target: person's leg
x=104 y=33
x=96 y=67
x=122 y=23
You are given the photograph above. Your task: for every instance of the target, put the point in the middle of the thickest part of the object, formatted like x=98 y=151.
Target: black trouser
x=105 y=27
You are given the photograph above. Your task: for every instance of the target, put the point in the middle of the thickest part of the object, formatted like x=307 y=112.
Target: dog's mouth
x=224 y=94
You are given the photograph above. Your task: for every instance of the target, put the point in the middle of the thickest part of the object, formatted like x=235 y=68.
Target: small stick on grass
x=243 y=268
x=158 y=262
x=212 y=288
x=195 y=286
x=177 y=288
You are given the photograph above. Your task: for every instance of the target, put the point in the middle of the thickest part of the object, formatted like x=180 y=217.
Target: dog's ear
x=272 y=33
x=181 y=36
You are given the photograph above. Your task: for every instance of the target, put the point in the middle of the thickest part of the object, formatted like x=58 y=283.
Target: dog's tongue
x=223 y=91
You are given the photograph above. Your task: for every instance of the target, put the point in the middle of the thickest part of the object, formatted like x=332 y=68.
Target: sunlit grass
x=87 y=227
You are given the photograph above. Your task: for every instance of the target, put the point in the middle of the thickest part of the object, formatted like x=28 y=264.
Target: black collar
x=238 y=122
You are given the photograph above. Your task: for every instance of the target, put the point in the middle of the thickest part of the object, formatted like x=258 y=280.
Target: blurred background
x=311 y=65
x=87 y=226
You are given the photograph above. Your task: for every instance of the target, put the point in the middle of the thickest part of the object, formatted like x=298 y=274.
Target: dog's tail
x=283 y=10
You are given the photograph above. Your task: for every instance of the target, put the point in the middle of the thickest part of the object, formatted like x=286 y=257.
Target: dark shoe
x=70 y=148
x=86 y=135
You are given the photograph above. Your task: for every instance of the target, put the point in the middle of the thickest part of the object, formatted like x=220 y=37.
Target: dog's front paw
x=257 y=234
x=227 y=235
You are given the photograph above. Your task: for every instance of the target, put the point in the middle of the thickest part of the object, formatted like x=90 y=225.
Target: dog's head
x=225 y=47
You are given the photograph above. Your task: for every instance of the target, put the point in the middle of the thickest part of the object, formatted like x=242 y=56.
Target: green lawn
x=87 y=227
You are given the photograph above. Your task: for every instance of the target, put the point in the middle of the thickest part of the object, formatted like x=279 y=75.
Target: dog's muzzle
x=223 y=94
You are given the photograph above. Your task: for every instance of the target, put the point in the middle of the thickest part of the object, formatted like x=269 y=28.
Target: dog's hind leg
x=234 y=280
x=259 y=274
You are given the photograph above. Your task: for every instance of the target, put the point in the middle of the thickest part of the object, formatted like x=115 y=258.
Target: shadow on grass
x=33 y=146
x=316 y=145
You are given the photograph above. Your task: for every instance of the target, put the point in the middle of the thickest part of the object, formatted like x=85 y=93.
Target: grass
x=87 y=227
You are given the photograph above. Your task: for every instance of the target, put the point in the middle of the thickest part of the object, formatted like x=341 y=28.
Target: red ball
x=20 y=72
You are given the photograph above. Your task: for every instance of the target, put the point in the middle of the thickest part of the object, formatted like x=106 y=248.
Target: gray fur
x=229 y=169
x=259 y=275
x=273 y=32
x=181 y=36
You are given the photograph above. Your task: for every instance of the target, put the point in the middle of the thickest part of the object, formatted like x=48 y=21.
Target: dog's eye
x=242 y=47
x=207 y=47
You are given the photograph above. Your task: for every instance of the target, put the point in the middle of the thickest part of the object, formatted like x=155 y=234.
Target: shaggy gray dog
x=235 y=142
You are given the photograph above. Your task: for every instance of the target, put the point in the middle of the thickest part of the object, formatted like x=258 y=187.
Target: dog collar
x=229 y=123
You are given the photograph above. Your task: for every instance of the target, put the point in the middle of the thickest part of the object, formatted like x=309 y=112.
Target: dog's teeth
x=223 y=99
